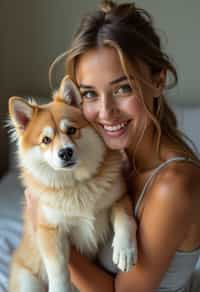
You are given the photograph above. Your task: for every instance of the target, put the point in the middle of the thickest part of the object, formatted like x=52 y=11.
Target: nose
x=66 y=153
x=107 y=108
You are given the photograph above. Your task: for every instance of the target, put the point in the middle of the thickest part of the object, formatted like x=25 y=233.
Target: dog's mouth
x=69 y=164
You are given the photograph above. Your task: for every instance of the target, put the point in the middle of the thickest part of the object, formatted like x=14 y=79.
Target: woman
x=117 y=62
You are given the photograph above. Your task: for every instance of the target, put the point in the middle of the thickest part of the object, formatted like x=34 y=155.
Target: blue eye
x=123 y=90
x=89 y=94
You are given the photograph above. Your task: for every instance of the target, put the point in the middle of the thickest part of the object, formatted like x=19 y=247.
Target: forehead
x=103 y=63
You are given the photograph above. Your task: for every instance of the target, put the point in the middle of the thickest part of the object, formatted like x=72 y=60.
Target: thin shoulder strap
x=153 y=174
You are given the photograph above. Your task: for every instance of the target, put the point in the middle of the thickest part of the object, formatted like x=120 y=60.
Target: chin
x=116 y=144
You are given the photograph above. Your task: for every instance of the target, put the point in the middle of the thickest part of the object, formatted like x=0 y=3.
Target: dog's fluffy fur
x=78 y=183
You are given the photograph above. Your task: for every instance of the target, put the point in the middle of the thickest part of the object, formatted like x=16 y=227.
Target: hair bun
x=106 y=6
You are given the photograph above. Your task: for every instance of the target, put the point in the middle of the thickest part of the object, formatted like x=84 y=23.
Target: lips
x=115 y=127
x=115 y=130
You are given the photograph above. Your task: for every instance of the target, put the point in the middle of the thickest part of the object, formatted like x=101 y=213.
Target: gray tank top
x=177 y=278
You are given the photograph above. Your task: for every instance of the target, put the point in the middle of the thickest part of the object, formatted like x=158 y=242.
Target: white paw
x=124 y=251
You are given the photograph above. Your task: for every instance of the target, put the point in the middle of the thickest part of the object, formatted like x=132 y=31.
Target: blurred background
x=34 y=32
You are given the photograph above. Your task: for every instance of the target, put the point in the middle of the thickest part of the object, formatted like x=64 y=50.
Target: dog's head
x=55 y=138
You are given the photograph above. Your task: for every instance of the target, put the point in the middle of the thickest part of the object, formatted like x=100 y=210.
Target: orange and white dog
x=78 y=184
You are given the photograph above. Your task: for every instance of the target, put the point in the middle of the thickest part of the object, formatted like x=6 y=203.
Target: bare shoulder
x=166 y=221
x=178 y=181
x=177 y=188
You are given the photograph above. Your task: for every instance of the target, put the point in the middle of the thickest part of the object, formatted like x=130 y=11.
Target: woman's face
x=109 y=102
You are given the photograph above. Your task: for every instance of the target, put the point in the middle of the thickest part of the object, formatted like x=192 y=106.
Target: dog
x=80 y=191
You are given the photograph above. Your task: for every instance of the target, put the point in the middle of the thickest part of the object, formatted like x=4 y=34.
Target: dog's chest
x=86 y=230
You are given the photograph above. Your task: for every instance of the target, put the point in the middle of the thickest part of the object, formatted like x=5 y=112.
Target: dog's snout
x=66 y=153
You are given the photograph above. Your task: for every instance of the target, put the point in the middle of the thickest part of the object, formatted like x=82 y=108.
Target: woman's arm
x=87 y=276
x=166 y=217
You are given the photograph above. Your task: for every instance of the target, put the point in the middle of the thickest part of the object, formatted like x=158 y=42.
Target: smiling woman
x=117 y=61
x=109 y=101
x=143 y=64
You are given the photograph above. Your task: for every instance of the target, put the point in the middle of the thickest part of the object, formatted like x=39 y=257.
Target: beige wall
x=34 y=32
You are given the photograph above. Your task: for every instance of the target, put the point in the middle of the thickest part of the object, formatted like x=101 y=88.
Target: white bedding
x=10 y=231
x=11 y=196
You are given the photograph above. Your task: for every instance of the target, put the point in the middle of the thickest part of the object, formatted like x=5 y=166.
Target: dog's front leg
x=54 y=249
x=124 y=241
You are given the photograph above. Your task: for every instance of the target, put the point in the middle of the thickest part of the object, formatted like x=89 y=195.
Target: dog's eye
x=71 y=130
x=46 y=140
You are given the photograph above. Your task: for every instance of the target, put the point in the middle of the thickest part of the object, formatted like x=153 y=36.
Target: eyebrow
x=120 y=79
x=85 y=86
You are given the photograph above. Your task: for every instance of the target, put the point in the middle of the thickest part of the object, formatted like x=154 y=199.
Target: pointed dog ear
x=68 y=92
x=20 y=111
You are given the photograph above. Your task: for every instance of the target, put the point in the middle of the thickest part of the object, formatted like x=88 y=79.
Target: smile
x=115 y=128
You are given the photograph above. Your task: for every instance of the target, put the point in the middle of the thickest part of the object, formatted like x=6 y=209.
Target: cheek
x=134 y=107
x=89 y=111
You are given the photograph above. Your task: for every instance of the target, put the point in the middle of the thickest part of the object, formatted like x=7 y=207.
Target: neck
x=145 y=157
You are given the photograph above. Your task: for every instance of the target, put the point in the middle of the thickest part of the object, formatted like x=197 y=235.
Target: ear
x=21 y=112
x=159 y=81
x=68 y=92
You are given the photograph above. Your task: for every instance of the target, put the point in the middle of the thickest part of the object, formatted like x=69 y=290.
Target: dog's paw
x=124 y=252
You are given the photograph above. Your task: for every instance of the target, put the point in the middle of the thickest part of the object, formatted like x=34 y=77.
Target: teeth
x=115 y=128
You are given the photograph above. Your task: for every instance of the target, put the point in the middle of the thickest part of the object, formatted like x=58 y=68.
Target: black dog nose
x=66 y=153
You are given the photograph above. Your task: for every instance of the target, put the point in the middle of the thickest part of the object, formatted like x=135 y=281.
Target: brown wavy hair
x=130 y=30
